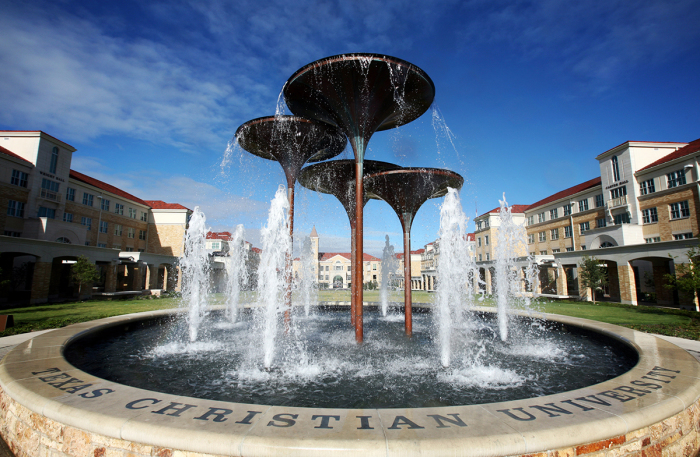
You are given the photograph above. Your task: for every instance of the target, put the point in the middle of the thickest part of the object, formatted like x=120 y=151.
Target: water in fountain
x=307 y=284
x=195 y=272
x=510 y=240
x=236 y=273
x=389 y=266
x=456 y=270
x=276 y=246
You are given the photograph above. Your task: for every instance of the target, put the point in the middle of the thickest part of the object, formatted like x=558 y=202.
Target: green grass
x=672 y=322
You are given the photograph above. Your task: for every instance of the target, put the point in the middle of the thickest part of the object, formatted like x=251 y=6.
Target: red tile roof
x=256 y=250
x=471 y=237
x=567 y=192
x=160 y=204
x=226 y=236
x=104 y=186
x=513 y=209
x=12 y=154
x=328 y=255
x=691 y=148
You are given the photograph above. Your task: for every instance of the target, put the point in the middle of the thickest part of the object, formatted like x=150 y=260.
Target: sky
x=528 y=93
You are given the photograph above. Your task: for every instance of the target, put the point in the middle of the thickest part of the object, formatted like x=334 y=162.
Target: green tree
x=84 y=273
x=687 y=277
x=592 y=274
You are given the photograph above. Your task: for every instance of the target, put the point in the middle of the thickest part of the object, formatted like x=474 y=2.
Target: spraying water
x=276 y=245
x=236 y=274
x=389 y=267
x=510 y=241
x=195 y=278
x=307 y=285
x=455 y=268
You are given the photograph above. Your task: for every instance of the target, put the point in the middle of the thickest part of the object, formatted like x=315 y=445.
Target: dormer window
x=615 y=169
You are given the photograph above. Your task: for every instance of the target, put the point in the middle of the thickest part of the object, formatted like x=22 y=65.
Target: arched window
x=63 y=240
x=616 y=169
x=606 y=244
x=54 y=160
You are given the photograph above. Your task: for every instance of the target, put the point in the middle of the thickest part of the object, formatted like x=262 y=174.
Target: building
x=52 y=214
x=639 y=217
x=416 y=269
x=219 y=246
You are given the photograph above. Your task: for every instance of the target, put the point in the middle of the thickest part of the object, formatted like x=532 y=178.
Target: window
x=543 y=252
x=569 y=249
x=554 y=234
x=567 y=209
x=647 y=187
x=46 y=212
x=540 y=217
x=649 y=216
x=70 y=194
x=326 y=270
x=583 y=205
x=63 y=240
x=530 y=220
x=15 y=208
x=118 y=232
x=12 y=233
x=118 y=209
x=101 y=245
x=326 y=277
x=142 y=234
x=117 y=246
x=130 y=232
x=567 y=231
x=680 y=210
x=555 y=251
x=542 y=236
x=583 y=247
x=104 y=206
x=553 y=213
x=103 y=226
x=623 y=218
x=87 y=199
x=531 y=238
x=144 y=216
x=486 y=240
x=129 y=249
x=615 y=169
x=655 y=239
x=585 y=226
x=488 y=257
x=602 y=222
x=132 y=213
x=49 y=189
x=19 y=178
x=478 y=242
x=87 y=221
x=676 y=178
x=54 y=160
x=682 y=236
x=599 y=200
x=618 y=192
x=67 y=217
x=480 y=258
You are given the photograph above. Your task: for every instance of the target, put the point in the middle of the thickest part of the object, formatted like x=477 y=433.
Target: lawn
x=673 y=322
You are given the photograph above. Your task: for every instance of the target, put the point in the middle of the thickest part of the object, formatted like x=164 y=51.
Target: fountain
x=307 y=285
x=236 y=274
x=194 y=263
x=143 y=385
x=360 y=94
x=389 y=265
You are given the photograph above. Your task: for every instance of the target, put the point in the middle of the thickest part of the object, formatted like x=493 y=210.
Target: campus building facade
x=51 y=214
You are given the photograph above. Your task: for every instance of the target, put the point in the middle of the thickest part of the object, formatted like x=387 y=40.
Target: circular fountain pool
x=320 y=365
x=47 y=405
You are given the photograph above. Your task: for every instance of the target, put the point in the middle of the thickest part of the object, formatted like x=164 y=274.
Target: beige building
x=53 y=214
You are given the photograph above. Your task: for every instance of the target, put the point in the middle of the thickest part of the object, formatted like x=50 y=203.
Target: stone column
x=628 y=285
x=487 y=280
x=562 y=288
x=111 y=278
x=614 y=281
x=584 y=293
x=40 y=282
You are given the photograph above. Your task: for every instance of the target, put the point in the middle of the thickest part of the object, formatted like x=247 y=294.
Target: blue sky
x=150 y=93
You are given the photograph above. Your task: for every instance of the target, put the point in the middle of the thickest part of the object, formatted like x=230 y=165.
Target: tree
x=84 y=272
x=593 y=275
x=687 y=277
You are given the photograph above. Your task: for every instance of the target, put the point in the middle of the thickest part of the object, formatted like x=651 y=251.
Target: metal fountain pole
x=406 y=222
x=358 y=279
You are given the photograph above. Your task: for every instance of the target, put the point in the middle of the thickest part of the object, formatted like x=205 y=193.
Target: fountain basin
x=46 y=403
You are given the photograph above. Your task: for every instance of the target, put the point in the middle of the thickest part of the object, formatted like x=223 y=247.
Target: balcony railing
x=50 y=195
x=619 y=201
